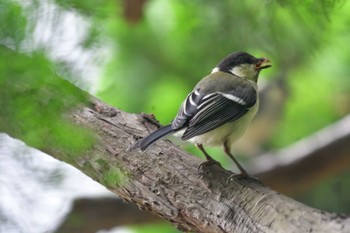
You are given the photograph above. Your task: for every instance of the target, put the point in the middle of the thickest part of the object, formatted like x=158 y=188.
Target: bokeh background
x=145 y=56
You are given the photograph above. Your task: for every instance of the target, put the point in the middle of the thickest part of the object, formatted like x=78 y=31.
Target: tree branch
x=316 y=157
x=166 y=181
x=275 y=170
x=90 y=215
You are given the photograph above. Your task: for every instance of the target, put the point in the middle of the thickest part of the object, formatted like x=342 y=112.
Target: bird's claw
x=208 y=163
x=243 y=176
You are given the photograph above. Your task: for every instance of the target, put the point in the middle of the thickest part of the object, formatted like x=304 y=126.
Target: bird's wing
x=214 y=109
x=187 y=110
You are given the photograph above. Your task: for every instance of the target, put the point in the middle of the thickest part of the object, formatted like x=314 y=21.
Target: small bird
x=219 y=108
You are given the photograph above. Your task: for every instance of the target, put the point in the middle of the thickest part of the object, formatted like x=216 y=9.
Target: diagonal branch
x=166 y=181
x=275 y=170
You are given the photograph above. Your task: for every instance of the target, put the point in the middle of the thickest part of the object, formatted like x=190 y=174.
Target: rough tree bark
x=166 y=181
x=288 y=165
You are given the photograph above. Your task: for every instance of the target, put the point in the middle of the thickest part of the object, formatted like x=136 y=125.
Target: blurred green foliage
x=13 y=23
x=31 y=108
x=154 y=62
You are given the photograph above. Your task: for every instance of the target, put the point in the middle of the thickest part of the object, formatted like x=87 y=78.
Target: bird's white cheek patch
x=244 y=71
x=238 y=71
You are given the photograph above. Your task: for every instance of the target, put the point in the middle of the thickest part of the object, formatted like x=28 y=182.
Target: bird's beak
x=263 y=63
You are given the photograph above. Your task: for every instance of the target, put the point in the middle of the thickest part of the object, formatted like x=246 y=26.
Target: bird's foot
x=243 y=176
x=208 y=163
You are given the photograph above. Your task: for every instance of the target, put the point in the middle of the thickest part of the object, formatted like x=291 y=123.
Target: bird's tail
x=145 y=142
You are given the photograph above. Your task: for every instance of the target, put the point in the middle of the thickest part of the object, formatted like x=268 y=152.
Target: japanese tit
x=219 y=108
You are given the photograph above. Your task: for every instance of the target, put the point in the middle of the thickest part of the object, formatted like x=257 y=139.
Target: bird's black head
x=242 y=64
x=236 y=59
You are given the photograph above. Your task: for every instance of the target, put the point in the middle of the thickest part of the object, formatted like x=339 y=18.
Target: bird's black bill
x=263 y=63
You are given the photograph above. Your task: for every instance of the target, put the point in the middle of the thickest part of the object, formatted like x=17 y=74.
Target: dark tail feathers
x=145 y=142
